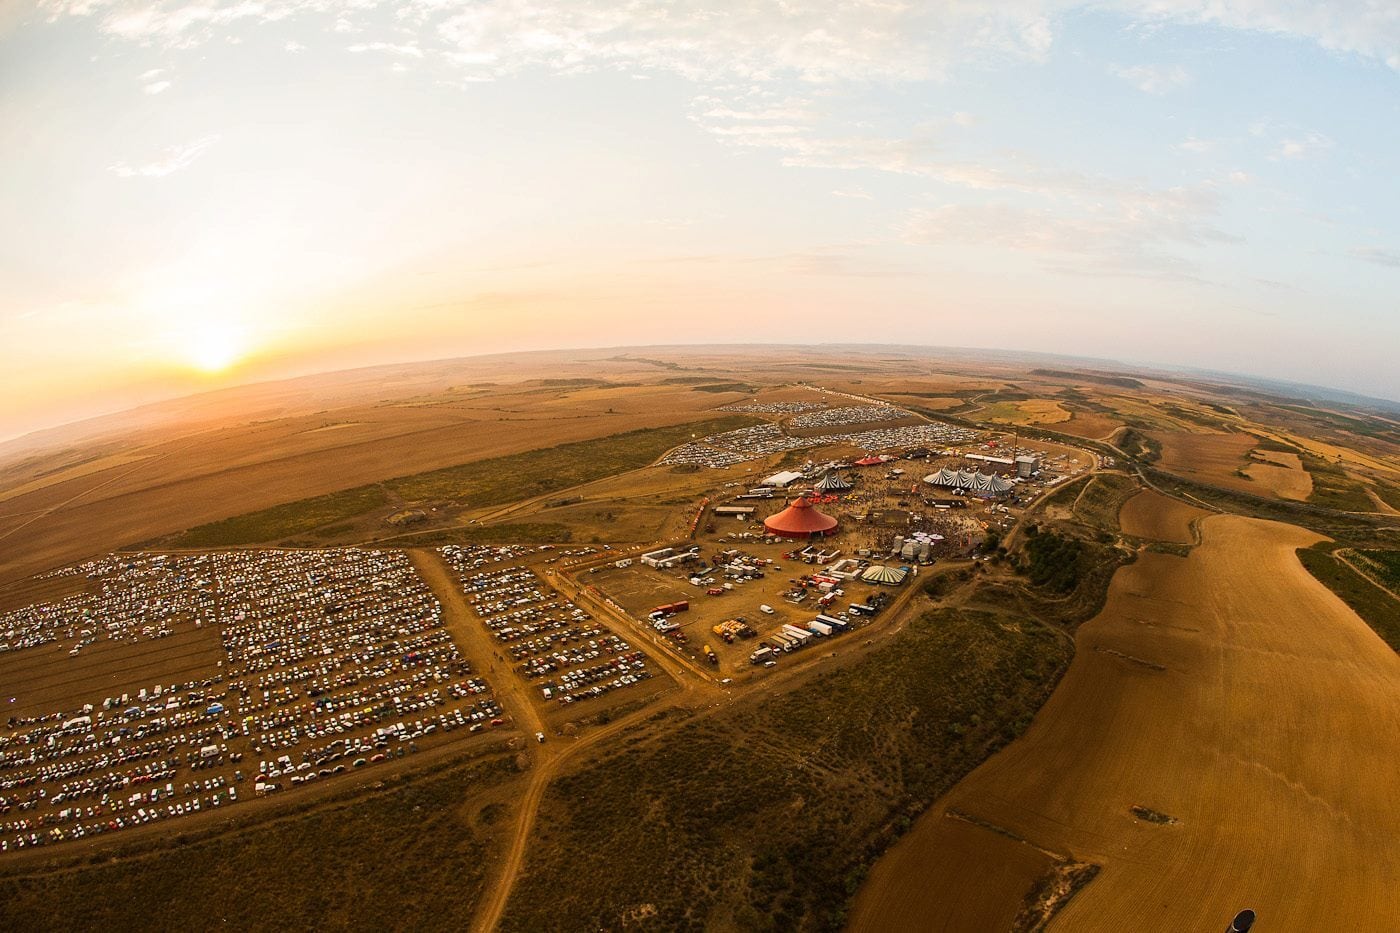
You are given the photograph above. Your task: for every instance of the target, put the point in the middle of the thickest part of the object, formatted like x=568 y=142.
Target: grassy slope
x=1379 y=609
x=496 y=481
x=1333 y=488
x=766 y=815
x=1103 y=499
x=407 y=858
x=1381 y=565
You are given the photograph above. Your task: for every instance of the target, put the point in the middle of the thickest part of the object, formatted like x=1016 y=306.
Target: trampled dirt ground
x=1229 y=691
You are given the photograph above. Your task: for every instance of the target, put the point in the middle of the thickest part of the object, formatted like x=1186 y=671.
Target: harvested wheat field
x=1151 y=515
x=1251 y=713
x=1089 y=424
x=1281 y=473
x=1209 y=458
x=1032 y=411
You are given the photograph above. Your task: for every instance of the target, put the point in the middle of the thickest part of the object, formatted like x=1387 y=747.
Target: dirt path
x=471 y=637
x=515 y=699
x=1230 y=692
x=1344 y=555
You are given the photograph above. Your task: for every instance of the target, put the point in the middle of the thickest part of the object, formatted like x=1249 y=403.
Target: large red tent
x=800 y=520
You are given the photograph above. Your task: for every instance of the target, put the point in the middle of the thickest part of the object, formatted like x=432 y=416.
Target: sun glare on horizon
x=213 y=346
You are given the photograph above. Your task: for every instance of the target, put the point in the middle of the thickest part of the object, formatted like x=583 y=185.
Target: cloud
x=816 y=41
x=155 y=87
x=1193 y=144
x=294 y=47
x=1378 y=255
x=407 y=50
x=1153 y=79
x=173 y=160
x=853 y=192
x=1302 y=147
x=1120 y=235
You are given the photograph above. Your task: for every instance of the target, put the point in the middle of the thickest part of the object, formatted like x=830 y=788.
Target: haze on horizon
x=202 y=194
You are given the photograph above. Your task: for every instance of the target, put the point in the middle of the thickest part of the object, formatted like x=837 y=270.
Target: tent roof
x=882 y=574
x=800 y=518
x=986 y=484
x=833 y=481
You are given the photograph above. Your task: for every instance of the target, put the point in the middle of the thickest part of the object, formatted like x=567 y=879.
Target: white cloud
x=1113 y=240
x=294 y=47
x=1378 y=255
x=818 y=41
x=852 y=192
x=1153 y=79
x=1302 y=147
x=172 y=160
x=155 y=87
x=407 y=50
x=1196 y=145
x=963 y=118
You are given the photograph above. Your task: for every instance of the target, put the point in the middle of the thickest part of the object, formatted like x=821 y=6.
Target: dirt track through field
x=1228 y=690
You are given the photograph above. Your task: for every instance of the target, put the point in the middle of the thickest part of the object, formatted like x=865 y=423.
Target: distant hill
x=1123 y=382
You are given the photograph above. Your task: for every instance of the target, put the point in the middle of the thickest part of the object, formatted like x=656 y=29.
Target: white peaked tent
x=982 y=484
x=833 y=482
x=891 y=576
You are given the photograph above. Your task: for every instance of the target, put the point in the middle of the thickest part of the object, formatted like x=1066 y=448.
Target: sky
x=195 y=194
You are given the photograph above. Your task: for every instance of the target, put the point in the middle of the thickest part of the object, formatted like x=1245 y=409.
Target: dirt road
x=1231 y=693
x=471 y=637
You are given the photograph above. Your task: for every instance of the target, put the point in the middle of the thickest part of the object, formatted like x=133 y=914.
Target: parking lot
x=259 y=672
x=558 y=648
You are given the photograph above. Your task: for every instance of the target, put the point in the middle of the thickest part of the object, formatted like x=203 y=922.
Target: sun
x=213 y=346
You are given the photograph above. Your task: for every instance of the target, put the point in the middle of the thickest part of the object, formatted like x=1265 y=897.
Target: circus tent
x=833 y=482
x=891 y=576
x=982 y=484
x=800 y=520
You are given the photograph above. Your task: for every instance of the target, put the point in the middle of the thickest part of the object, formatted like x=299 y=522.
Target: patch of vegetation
x=1380 y=565
x=1174 y=548
x=1103 y=498
x=514 y=477
x=1152 y=816
x=579 y=383
x=496 y=481
x=1051 y=893
x=1356 y=529
x=767 y=814
x=1090 y=564
x=1054 y=562
x=517 y=533
x=1139 y=446
x=1379 y=609
x=1122 y=382
x=404 y=858
x=1389 y=493
x=287 y=520
x=1353 y=425
x=1195 y=417
x=1269 y=443
x=1333 y=488
x=727 y=387
x=939 y=585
